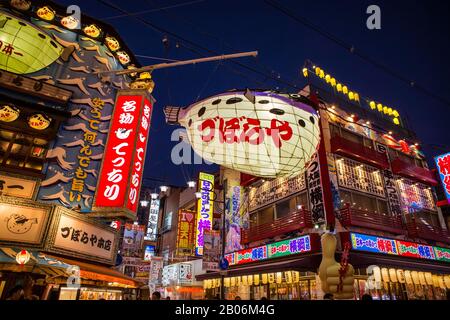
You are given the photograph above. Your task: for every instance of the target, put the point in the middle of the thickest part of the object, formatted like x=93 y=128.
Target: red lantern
x=23 y=257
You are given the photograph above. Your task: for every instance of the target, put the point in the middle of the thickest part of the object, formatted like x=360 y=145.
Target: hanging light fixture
x=191 y=184
x=154 y=196
x=164 y=188
x=198 y=195
x=144 y=203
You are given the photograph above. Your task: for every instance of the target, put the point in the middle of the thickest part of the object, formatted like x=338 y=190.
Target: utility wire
x=153 y=10
x=192 y=43
x=155 y=58
x=352 y=50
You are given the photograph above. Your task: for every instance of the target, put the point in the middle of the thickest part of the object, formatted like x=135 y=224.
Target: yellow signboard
x=205 y=207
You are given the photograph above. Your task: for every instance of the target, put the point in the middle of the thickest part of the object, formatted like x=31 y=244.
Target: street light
x=164 y=188
x=191 y=184
x=154 y=196
x=144 y=203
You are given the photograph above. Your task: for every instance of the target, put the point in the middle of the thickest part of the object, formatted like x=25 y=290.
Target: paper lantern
x=401 y=276
x=435 y=281
x=377 y=274
x=305 y=72
x=238 y=281
x=322 y=74
x=226 y=282
x=46 y=13
x=123 y=57
x=279 y=277
x=372 y=105
x=385 y=110
x=333 y=82
x=447 y=281
x=429 y=278
x=92 y=31
x=328 y=78
x=395 y=113
x=357 y=97
x=393 y=275
x=390 y=111
x=244 y=281
x=264 y=278
x=344 y=90
x=408 y=277
x=112 y=44
x=256 y=279
x=317 y=71
x=295 y=276
x=422 y=280
x=415 y=277
x=351 y=95
x=339 y=87
x=23 y=257
x=233 y=282
x=39 y=121
x=9 y=113
x=271 y=277
x=380 y=107
x=26 y=48
x=385 y=274
x=70 y=22
x=441 y=282
x=275 y=135
x=288 y=276
x=250 y=280
x=396 y=121
x=22 y=5
x=205 y=284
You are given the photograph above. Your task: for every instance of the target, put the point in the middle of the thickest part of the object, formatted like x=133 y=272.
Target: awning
x=363 y=260
x=302 y=263
x=100 y=273
x=39 y=263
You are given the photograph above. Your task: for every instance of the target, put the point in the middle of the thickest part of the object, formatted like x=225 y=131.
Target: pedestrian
x=168 y=298
x=237 y=298
x=366 y=296
x=156 y=295
x=328 y=296
x=264 y=298
x=16 y=293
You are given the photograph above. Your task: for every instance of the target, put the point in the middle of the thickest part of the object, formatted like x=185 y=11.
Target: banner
x=186 y=232
x=212 y=247
x=152 y=226
x=205 y=206
x=315 y=193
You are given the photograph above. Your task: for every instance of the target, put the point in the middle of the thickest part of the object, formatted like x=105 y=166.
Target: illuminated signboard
x=152 y=226
x=272 y=250
x=186 y=231
x=121 y=174
x=264 y=134
x=25 y=48
x=443 y=166
x=205 y=206
x=363 y=242
x=149 y=252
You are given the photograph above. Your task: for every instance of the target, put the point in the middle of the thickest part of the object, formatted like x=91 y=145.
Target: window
x=363 y=202
x=415 y=197
x=352 y=137
x=286 y=207
x=265 y=215
x=302 y=199
x=22 y=151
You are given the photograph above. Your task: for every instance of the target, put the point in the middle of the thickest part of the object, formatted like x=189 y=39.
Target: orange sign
x=186 y=230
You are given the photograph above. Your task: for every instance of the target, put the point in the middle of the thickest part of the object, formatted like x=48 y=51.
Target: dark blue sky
x=413 y=41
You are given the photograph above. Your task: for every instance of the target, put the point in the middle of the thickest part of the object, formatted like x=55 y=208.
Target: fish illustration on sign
x=262 y=133
x=19 y=224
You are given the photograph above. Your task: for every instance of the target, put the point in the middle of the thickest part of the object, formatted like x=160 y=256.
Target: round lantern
x=9 y=113
x=23 y=257
x=261 y=133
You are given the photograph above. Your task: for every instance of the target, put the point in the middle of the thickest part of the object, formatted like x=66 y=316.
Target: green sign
x=442 y=254
x=288 y=247
x=23 y=47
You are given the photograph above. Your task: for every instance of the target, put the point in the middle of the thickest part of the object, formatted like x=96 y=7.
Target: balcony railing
x=294 y=221
x=371 y=220
x=414 y=172
x=358 y=152
x=419 y=229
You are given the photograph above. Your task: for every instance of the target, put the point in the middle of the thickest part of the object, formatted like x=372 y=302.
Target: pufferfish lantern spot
x=274 y=136
x=143 y=82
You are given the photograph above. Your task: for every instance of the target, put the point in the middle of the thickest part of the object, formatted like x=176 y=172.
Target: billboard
x=152 y=225
x=186 y=232
x=121 y=173
x=211 y=250
x=443 y=166
x=205 y=206
x=149 y=252
x=133 y=238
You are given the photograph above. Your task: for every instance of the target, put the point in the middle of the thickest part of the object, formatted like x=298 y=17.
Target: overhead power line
x=350 y=48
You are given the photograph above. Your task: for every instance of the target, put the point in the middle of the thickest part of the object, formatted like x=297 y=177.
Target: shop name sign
x=272 y=250
x=123 y=166
x=362 y=242
x=205 y=208
x=443 y=166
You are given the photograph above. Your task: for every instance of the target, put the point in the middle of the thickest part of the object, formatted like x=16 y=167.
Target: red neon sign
x=121 y=174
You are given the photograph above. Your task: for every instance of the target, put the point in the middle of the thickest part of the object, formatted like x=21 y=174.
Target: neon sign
x=443 y=166
x=272 y=250
x=205 y=207
x=363 y=242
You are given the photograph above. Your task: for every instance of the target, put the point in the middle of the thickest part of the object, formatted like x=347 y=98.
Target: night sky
x=413 y=42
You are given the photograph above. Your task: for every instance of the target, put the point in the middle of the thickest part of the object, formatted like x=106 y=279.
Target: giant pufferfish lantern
x=262 y=133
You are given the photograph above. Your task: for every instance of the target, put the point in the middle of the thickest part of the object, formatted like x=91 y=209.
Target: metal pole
x=224 y=186
x=181 y=63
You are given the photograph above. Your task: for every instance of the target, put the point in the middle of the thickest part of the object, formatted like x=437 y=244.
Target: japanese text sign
x=272 y=250
x=121 y=174
x=204 y=209
x=362 y=242
x=443 y=166
x=152 y=225
x=186 y=230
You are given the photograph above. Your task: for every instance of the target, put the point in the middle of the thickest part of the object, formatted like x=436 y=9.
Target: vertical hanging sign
x=205 y=207
x=121 y=173
x=315 y=191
